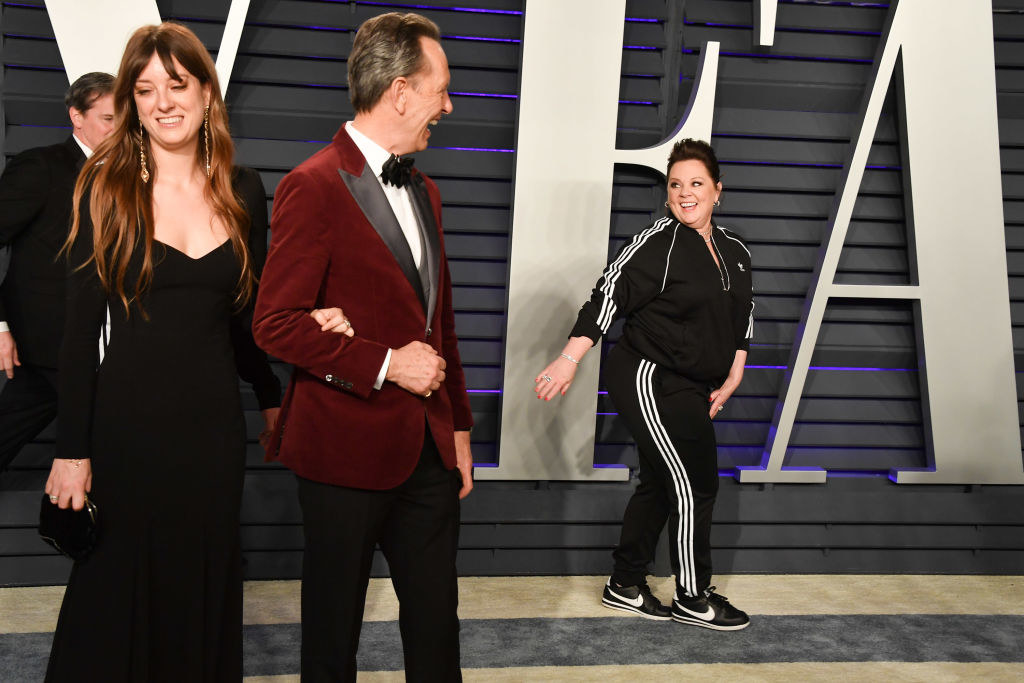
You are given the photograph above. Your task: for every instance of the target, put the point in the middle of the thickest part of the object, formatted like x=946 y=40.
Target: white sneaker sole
x=707 y=624
x=632 y=610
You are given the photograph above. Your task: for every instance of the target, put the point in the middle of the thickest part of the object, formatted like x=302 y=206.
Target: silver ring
x=545 y=378
x=53 y=499
x=720 y=408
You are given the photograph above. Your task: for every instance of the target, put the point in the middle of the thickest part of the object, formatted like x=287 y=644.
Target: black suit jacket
x=35 y=210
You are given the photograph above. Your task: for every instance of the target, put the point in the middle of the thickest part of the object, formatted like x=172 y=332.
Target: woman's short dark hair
x=86 y=89
x=688 y=148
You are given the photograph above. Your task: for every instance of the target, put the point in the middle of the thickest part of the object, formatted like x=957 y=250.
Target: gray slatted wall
x=782 y=128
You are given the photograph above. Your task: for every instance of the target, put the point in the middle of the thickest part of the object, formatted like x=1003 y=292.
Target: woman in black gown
x=167 y=236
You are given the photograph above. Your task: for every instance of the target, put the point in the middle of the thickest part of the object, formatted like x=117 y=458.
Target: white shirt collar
x=85 y=148
x=374 y=154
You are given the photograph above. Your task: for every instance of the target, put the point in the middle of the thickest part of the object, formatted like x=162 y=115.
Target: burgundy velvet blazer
x=336 y=242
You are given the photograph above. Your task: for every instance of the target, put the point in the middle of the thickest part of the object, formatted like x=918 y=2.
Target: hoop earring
x=144 y=173
x=206 y=138
x=666 y=205
x=718 y=202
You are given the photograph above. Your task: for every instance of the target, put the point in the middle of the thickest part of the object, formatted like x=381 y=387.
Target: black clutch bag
x=71 y=532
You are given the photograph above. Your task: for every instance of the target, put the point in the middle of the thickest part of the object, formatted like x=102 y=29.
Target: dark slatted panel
x=784 y=118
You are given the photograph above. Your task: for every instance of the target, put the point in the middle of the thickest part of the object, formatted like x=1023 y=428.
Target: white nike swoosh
x=638 y=601
x=706 y=615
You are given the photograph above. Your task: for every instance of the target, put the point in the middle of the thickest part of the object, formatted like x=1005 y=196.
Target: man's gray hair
x=386 y=47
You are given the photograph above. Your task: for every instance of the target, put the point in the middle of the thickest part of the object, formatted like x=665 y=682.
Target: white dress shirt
x=401 y=203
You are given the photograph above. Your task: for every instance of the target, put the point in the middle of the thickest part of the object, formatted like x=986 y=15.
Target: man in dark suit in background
x=35 y=211
x=375 y=426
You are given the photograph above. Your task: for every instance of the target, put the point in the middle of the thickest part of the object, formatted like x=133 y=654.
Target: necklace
x=706 y=234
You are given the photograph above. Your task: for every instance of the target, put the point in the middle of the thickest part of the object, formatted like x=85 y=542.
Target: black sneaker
x=709 y=610
x=636 y=599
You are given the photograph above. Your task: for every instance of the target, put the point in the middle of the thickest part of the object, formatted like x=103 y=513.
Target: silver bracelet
x=569 y=358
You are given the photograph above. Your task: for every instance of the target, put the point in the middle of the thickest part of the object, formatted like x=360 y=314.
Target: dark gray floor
x=274 y=649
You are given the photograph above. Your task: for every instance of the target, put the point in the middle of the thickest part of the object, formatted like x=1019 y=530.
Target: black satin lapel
x=431 y=241
x=375 y=206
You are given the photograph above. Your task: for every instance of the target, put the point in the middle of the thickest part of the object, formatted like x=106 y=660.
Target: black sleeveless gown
x=160 y=598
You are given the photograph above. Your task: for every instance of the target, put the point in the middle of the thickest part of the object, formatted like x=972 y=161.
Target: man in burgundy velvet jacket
x=374 y=425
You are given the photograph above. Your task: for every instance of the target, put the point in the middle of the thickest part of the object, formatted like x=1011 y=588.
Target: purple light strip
x=637 y=20
x=482 y=94
x=481 y=39
x=730 y=473
x=477 y=149
x=312 y=27
x=788 y=30
x=831 y=368
x=873 y=167
x=475 y=10
x=765 y=55
x=639 y=47
x=840 y=3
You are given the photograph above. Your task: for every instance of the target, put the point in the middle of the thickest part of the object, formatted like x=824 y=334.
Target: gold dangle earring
x=144 y=174
x=206 y=138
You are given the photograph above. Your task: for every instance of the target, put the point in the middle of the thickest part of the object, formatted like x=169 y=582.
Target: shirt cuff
x=383 y=371
x=4 y=327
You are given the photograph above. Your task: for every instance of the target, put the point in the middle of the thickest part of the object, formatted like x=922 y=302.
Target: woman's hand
x=333 y=320
x=555 y=379
x=720 y=395
x=68 y=482
x=723 y=393
x=269 y=422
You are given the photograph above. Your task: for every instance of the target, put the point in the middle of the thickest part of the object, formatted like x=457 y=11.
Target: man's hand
x=464 y=463
x=417 y=368
x=8 y=354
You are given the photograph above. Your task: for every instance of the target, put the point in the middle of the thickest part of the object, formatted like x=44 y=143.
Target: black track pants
x=668 y=418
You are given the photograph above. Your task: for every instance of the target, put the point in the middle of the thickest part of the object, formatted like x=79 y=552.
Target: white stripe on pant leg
x=644 y=370
x=684 y=493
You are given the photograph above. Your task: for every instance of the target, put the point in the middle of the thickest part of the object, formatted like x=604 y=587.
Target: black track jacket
x=682 y=312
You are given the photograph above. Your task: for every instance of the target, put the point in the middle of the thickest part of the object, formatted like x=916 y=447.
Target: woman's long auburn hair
x=120 y=203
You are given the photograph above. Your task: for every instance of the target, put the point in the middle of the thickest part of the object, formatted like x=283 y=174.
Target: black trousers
x=416 y=526
x=668 y=418
x=28 y=403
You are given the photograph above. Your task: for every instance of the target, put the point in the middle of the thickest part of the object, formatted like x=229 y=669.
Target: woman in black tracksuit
x=684 y=286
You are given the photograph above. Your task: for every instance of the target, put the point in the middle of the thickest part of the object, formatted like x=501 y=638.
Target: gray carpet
x=488 y=643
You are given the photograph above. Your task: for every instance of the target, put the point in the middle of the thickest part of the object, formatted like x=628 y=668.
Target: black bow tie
x=396 y=170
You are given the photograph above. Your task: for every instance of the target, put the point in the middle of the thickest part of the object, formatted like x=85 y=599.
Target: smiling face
x=692 y=193
x=94 y=124
x=425 y=98
x=170 y=110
